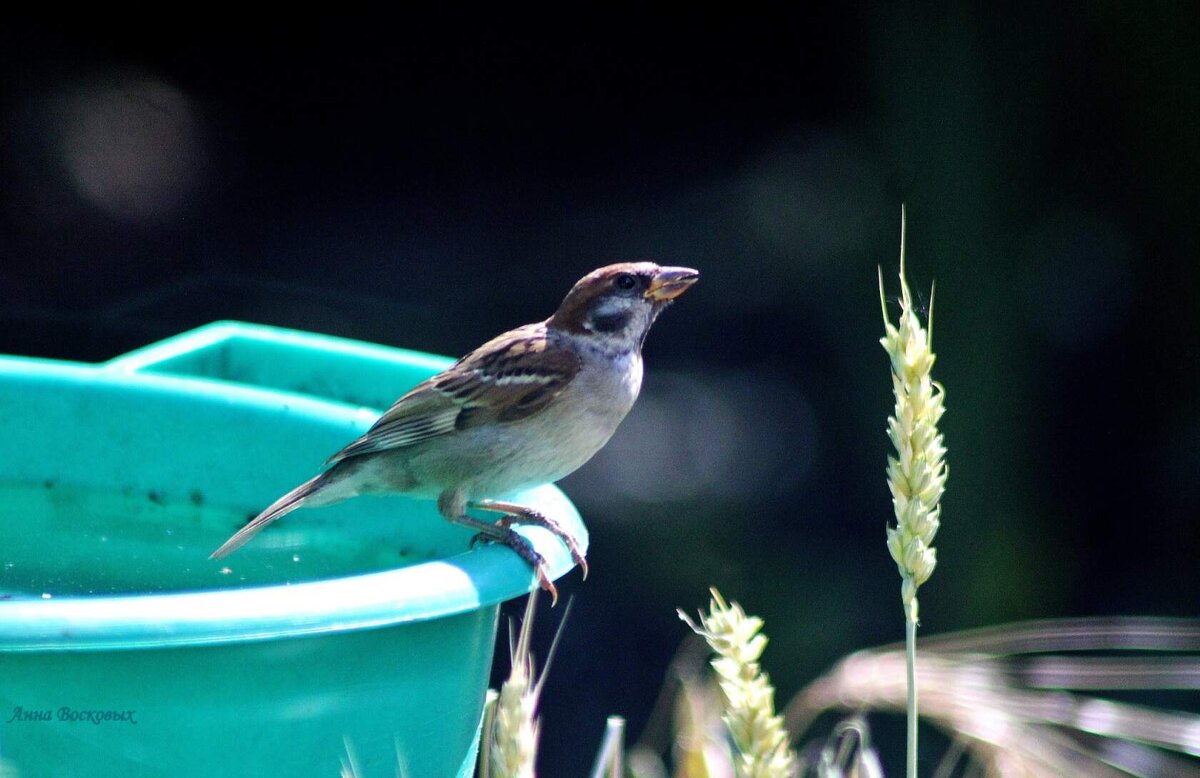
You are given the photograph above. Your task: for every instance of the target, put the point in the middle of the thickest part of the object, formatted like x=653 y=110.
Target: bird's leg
x=507 y=536
x=519 y=514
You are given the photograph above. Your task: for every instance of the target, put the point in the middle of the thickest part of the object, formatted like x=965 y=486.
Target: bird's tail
x=281 y=507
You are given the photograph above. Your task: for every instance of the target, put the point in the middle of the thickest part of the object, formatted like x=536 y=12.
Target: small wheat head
x=746 y=691
x=917 y=471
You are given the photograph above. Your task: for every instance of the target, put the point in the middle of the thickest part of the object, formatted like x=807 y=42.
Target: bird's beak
x=671 y=282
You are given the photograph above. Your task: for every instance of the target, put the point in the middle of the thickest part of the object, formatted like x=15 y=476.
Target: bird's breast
x=606 y=387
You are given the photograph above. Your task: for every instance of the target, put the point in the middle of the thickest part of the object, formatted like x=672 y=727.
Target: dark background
x=429 y=181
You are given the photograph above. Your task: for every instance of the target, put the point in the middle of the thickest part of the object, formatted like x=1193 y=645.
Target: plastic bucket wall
x=368 y=623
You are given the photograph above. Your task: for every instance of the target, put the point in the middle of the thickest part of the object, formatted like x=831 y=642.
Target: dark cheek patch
x=609 y=322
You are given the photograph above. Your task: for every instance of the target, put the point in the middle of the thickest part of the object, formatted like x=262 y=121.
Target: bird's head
x=615 y=305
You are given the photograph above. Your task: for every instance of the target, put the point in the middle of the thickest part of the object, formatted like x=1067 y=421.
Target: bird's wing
x=509 y=378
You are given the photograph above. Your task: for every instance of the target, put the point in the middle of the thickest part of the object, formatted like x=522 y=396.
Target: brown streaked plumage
x=527 y=407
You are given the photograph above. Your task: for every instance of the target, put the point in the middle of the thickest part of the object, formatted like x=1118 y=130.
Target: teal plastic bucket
x=125 y=651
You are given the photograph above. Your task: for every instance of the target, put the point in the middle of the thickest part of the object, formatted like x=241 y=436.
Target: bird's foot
x=503 y=533
x=519 y=514
x=525 y=550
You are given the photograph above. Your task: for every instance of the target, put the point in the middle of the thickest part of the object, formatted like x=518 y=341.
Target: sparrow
x=526 y=408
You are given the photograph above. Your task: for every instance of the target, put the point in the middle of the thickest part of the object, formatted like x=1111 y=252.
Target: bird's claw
x=547 y=585
x=537 y=519
x=509 y=537
x=575 y=554
x=526 y=551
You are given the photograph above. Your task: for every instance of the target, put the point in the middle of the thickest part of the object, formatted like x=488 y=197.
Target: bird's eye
x=625 y=282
